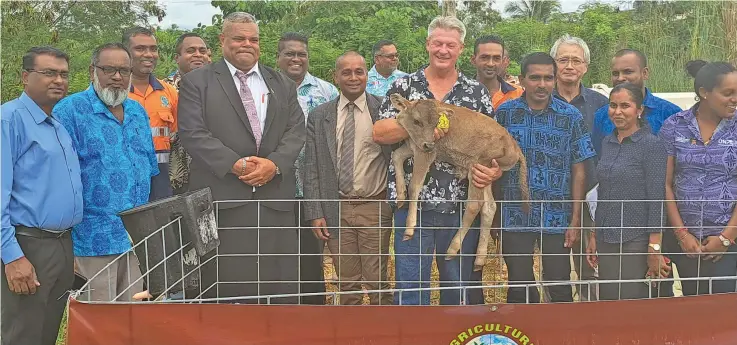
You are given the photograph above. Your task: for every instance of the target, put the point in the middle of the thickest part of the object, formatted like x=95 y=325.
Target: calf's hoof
x=478 y=264
x=452 y=252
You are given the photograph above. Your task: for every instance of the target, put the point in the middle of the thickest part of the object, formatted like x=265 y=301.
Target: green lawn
x=61 y=339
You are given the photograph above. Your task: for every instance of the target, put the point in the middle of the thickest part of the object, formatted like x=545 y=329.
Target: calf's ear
x=447 y=111
x=399 y=102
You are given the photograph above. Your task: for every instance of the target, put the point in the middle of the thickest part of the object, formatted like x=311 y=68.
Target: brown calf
x=470 y=138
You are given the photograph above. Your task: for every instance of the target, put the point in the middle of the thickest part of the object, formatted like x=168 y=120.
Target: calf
x=470 y=138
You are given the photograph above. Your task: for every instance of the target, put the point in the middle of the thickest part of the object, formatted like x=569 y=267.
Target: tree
x=265 y=11
x=533 y=9
x=479 y=16
x=75 y=27
x=334 y=27
x=670 y=33
x=729 y=19
x=450 y=7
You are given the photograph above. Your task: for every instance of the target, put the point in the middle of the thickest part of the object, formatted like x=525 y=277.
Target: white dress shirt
x=259 y=90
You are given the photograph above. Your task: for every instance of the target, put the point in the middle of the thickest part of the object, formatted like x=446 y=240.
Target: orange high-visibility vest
x=160 y=101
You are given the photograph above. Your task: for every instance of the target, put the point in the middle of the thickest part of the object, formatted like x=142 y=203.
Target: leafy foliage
x=669 y=32
x=75 y=27
x=540 y=10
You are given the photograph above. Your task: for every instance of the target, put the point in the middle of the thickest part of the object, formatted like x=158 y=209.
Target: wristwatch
x=725 y=241
x=654 y=246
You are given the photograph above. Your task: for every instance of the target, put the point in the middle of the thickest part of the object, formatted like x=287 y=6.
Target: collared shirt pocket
x=166 y=116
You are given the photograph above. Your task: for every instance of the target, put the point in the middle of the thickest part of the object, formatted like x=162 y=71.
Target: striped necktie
x=250 y=106
x=345 y=162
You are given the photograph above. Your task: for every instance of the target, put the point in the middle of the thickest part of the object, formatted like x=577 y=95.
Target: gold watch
x=725 y=241
x=654 y=246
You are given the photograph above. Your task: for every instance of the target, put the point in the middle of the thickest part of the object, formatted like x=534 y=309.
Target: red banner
x=703 y=320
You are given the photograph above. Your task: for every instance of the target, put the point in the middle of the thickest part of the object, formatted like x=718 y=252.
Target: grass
x=61 y=339
x=494 y=274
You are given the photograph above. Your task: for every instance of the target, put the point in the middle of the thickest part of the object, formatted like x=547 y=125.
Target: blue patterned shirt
x=377 y=85
x=443 y=190
x=657 y=110
x=552 y=141
x=312 y=92
x=117 y=162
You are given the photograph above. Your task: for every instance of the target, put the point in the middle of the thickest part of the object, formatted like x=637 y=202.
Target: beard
x=111 y=97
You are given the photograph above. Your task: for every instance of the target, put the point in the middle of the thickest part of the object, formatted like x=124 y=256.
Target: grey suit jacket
x=215 y=131
x=321 y=162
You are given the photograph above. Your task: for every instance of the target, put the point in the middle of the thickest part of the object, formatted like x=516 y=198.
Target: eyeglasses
x=390 y=56
x=50 y=73
x=564 y=61
x=110 y=71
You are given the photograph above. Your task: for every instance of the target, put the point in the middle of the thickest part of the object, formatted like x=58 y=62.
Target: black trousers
x=613 y=266
x=257 y=256
x=311 y=274
x=34 y=319
x=698 y=268
x=556 y=266
x=160 y=184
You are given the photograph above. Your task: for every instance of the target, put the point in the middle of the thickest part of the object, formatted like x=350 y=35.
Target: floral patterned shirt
x=312 y=92
x=442 y=190
x=179 y=159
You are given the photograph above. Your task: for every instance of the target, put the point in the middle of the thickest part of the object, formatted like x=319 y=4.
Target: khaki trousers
x=122 y=276
x=360 y=251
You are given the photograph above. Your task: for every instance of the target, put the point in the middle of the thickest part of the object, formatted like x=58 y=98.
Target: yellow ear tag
x=443 y=122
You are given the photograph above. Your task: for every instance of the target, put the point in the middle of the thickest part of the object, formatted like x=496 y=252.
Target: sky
x=187 y=13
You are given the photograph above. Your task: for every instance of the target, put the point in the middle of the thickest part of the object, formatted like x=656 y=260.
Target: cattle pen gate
x=173 y=246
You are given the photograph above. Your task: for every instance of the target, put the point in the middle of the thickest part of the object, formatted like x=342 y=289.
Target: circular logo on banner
x=492 y=334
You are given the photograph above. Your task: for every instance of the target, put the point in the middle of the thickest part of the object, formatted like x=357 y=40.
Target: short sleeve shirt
x=705 y=175
x=442 y=190
x=160 y=100
x=587 y=102
x=117 y=161
x=552 y=141
x=657 y=110
x=377 y=85
x=632 y=170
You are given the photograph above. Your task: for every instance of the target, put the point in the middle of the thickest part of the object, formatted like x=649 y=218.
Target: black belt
x=40 y=233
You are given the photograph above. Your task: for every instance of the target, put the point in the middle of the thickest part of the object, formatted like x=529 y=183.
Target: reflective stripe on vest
x=162 y=157
x=160 y=131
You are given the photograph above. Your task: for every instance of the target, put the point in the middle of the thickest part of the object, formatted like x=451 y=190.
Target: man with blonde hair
x=443 y=194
